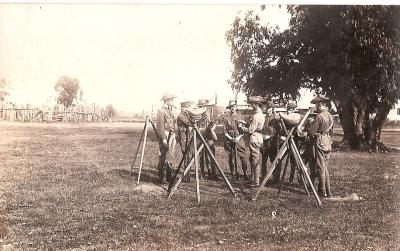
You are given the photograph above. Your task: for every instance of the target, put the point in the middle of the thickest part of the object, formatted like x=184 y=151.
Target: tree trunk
x=353 y=114
x=360 y=131
x=360 y=104
x=346 y=116
x=376 y=128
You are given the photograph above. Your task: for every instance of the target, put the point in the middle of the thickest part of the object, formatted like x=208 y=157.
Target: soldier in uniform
x=234 y=143
x=319 y=131
x=272 y=132
x=255 y=130
x=166 y=123
x=207 y=127
x=184 y=133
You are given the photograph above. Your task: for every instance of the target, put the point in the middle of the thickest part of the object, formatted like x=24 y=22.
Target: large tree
x=110 y=112
x=68 y=89
x=350 y=53
x=3 y=89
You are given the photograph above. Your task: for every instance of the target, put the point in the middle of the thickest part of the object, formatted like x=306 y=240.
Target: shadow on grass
x=242 y=188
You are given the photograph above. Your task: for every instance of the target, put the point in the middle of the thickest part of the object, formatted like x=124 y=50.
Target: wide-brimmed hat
x=291 y=105
x=320 y=99
x=231 y=103
x=203 y=102
x=168 y=95
x=186 y=103
x=256 y=100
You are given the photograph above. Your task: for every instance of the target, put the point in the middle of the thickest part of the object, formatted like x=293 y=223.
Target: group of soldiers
x=265 y=137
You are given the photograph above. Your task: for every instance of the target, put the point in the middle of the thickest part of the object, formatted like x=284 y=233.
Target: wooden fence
x=57 y=113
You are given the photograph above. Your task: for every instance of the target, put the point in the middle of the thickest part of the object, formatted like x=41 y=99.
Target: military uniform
x=273 y=129
x=166 y=123
x=256 y=138
x=319 y=130
x=231 y=131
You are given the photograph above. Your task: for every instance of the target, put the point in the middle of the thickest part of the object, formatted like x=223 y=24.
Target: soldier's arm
x=252 y=126
x=314 y=125
x=226 y=131
x=331 y=125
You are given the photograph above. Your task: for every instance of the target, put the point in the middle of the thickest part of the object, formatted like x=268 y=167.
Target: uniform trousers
x=321 y=162
x=206 y=160
x=166 y=157
x=241 y=154
x=255 y=159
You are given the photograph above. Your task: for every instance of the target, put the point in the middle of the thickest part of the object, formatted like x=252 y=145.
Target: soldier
x=255 y=130
x=308 y=154
x=184 y=133
x=272 y=132
x=207 y=127
x=234 y=143
x=166 y=122
x=319 y=130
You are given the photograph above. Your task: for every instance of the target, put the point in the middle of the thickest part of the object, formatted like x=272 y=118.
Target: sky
x=126 y=55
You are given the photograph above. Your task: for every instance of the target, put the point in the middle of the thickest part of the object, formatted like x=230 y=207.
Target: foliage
x=262 y=59
x=350 y=49
x=68 y=89
x=350 y=53
x=110 y=111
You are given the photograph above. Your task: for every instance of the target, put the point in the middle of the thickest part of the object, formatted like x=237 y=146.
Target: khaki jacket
x=166 y=120
x=256 y=127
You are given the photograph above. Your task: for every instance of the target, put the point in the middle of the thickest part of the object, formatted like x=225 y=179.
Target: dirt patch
x=351 y=197
x=150 y=188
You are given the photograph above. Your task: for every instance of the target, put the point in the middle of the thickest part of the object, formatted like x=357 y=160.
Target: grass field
x=70 y=187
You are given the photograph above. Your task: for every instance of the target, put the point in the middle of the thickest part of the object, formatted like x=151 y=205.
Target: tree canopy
x=68 y=89
x=3 y=89
x=350 y=53
x=111 y=111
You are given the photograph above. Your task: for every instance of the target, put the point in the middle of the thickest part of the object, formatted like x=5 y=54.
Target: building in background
x=394 y=114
